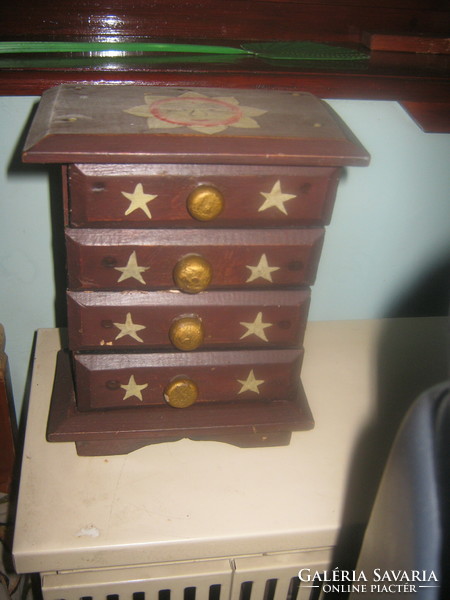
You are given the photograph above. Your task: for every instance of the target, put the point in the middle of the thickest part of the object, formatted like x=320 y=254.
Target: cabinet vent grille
x=264 y=577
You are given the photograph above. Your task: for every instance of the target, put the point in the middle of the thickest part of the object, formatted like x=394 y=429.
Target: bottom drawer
x=240 y=421
x=182 y=380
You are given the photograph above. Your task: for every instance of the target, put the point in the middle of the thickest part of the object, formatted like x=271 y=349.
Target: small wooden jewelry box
x=194 y=222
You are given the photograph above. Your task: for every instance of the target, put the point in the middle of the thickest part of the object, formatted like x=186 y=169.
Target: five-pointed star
x=275 y=198
x=129 y=328
x=138 y=199
x=131 y=269
x=133 y=389
x=262 y=270
x=256 y=328
x=250 y=384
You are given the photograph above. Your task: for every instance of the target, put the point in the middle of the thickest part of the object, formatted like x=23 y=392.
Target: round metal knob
x=205 y=203
x=181 y=392
x=186 y=333
x=192 y=274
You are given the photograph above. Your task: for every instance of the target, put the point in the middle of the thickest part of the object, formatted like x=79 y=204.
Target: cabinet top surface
x=136 y=124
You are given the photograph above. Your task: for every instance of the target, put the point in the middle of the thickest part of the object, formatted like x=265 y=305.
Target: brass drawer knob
x=205 y=203
x=192 y=274
x=181 y=392
x=186 y=333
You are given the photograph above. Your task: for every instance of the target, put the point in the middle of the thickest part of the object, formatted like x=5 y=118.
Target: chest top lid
x=142 y=124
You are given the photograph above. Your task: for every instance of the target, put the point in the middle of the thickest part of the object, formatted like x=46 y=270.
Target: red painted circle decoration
x=192 y=111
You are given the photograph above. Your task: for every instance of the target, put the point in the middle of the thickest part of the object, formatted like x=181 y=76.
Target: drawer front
x=180 y=381
x=192 y=260
x=146 y=196
x=168 y=320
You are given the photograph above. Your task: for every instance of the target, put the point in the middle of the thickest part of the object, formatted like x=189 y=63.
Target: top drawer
x=151 y=196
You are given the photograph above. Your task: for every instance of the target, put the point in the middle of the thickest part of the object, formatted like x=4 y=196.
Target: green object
x=272 y=50
x=302 y=51
x=50 y=47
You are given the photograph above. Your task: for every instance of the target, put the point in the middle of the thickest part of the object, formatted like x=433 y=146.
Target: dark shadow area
x=26 y=582
x=16 y=168
x=429 y=297
x=412 y=357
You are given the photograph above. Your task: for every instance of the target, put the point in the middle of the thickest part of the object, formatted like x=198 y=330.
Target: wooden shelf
x=419 y=81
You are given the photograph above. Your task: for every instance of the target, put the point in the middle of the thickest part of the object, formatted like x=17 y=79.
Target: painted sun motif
x=197 y=112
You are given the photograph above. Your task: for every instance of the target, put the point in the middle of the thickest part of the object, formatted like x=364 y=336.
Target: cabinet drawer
x=180 y=381
x=192 y=260
x=168 y=320
x=200 y=195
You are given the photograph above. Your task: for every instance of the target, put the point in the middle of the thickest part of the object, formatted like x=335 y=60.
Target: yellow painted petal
x=249 y=111
x=150 y=99
x=228 y=99
x=207 y=130
x=246 y=123
x=192 y=95
x=154 y=123
x=138 y=111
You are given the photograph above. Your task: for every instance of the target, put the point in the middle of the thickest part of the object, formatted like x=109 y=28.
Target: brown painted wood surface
x=102 y=380
x=97 y=258
x=432 y=117
x=95 y=318
x=134 y=155
x=241 y=440
x=119 y=431
x=423 y=44
x=91 y=124
x=97 y=194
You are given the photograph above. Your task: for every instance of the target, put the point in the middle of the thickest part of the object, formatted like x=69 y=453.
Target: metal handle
x=192 y=274
x=205 y=203
x=181 y=392
x=186 y=333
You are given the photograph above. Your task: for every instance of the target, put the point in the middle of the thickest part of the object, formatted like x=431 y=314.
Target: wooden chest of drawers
x=194 y=222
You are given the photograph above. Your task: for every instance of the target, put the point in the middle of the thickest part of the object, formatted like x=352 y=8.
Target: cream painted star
x=139 y=200
x=133 y=389
x=256 y=328
x=250 y=384
x=275 y=198
x=132 y=270
x=129 y=328
x=262 y=269
x=197 y=112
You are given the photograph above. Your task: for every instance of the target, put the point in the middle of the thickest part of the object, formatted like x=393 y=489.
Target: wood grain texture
x=274 y=319
x=218 y=20
x=97 y=199
x=239 y=258
x=102 y=381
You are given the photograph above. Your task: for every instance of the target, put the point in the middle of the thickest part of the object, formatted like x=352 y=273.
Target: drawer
x=167 y=320
x=139 y=196
x=192 y=260
x=182 y=381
